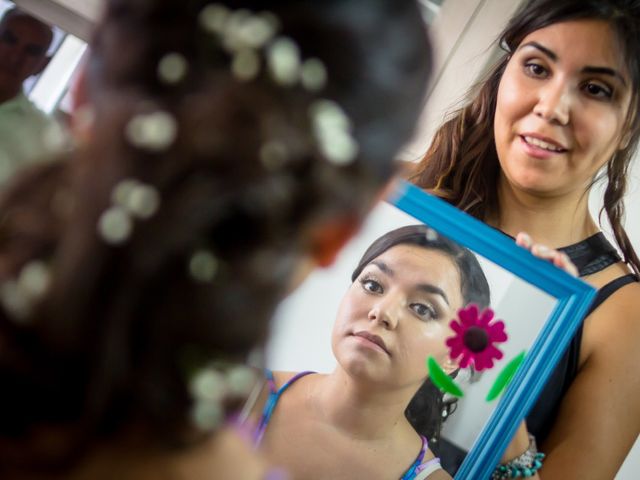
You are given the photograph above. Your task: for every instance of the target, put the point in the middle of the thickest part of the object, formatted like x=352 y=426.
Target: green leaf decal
x=441 y=380
x=505 y=376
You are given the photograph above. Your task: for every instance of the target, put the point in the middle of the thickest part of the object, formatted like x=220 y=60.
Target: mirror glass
x=302 y=331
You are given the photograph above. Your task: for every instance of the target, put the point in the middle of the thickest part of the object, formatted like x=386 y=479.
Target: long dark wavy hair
x=109 y=346
x=461 y=165
x=425 y=411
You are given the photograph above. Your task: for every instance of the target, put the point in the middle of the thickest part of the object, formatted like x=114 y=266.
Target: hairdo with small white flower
x=220 y=135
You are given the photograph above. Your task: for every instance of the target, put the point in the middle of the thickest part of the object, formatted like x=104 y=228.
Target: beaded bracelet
x=526 y=465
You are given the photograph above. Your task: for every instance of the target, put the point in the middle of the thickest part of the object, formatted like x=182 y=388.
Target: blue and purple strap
x=272 y=400
x=417 y=465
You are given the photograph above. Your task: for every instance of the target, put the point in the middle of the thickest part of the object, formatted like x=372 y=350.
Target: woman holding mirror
x=222 y=152
x=360 y=421
x=561 y=106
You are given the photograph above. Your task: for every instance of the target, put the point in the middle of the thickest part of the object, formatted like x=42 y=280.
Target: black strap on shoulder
x=610 y=288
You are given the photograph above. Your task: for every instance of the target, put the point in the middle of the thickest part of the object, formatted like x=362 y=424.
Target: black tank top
x=590 y=256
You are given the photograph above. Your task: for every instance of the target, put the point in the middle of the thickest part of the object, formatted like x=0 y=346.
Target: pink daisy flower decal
x=475 y=337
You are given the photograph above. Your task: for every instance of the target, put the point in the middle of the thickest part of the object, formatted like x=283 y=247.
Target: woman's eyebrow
x=605 y=71
x=425 y=287
x=549 y=53
x=383 y=267
x=588 y=69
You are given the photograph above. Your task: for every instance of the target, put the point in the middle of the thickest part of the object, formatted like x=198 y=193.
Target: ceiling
x=73 y=16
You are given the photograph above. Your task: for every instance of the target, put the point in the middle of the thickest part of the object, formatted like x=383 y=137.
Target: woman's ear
x=450 y=366
x=78 y=88
x=328 y=238
x=81 y=110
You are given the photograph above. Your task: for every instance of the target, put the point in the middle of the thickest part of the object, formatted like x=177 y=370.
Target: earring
x=449 y=365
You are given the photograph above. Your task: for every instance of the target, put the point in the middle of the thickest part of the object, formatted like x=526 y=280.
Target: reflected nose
x=385 y=313
x=554 y=103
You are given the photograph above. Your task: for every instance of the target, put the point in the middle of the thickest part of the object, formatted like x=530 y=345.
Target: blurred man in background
x=24 y=129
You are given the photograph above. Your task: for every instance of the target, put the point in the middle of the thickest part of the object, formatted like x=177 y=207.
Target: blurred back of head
x=224 y=138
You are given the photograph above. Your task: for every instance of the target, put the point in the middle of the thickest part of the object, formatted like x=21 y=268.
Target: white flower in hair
x=213 y=18
x=203 y=266
x=34 y=279
x=283 y=59
x=209 y=385
x=328 y=116
x=272 y=19
x=340 y=148
x=332 y=130
x=207 y=415
x=154 y=131
x=115 y=225
x=18 y=296
x=143 y=201
x=431 y=235
x=246 y=64
x=313 y=75
x=255 y=31
x=231 y=40
x=241 y=380
x=15 y=301
x=130 y=199
x=122 y=191
x=172 y=68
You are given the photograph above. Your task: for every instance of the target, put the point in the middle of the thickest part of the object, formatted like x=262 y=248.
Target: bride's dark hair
x=110 y=343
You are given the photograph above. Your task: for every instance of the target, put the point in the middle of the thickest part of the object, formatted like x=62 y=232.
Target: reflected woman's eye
x=370 y=285
x=425 y=311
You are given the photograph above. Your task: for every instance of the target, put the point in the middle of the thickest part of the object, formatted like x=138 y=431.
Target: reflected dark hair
x=109 y=346
x=461 y=165
x=424 y=412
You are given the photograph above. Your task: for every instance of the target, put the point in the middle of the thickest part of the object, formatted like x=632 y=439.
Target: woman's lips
x=372 y=339
x=538 y=148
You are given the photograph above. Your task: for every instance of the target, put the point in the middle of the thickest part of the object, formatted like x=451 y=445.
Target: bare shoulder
x=602 y=400
x=615 y=324
x=280 y=378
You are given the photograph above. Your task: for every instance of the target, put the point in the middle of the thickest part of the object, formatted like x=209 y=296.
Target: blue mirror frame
x=573 y=299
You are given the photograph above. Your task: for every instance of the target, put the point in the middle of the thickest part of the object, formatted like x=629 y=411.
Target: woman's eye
x=598 y=91
x=425 y=311
x=535 y=70
x=371 y=286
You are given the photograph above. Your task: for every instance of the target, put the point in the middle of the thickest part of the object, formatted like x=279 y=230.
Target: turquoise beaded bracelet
x=509 y=470
x=526 y=465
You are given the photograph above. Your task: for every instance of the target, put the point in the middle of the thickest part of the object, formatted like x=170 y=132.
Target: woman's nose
x=385 y=313
x=554 y=103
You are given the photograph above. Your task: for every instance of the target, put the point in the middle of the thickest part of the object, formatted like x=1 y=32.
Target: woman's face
x=561 y=106
x=395 y=314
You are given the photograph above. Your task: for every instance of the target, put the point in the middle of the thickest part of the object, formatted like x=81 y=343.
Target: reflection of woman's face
x=561 y=106
x=396 y=313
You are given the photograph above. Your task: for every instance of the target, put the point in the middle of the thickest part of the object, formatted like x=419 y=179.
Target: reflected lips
x=373 y=339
